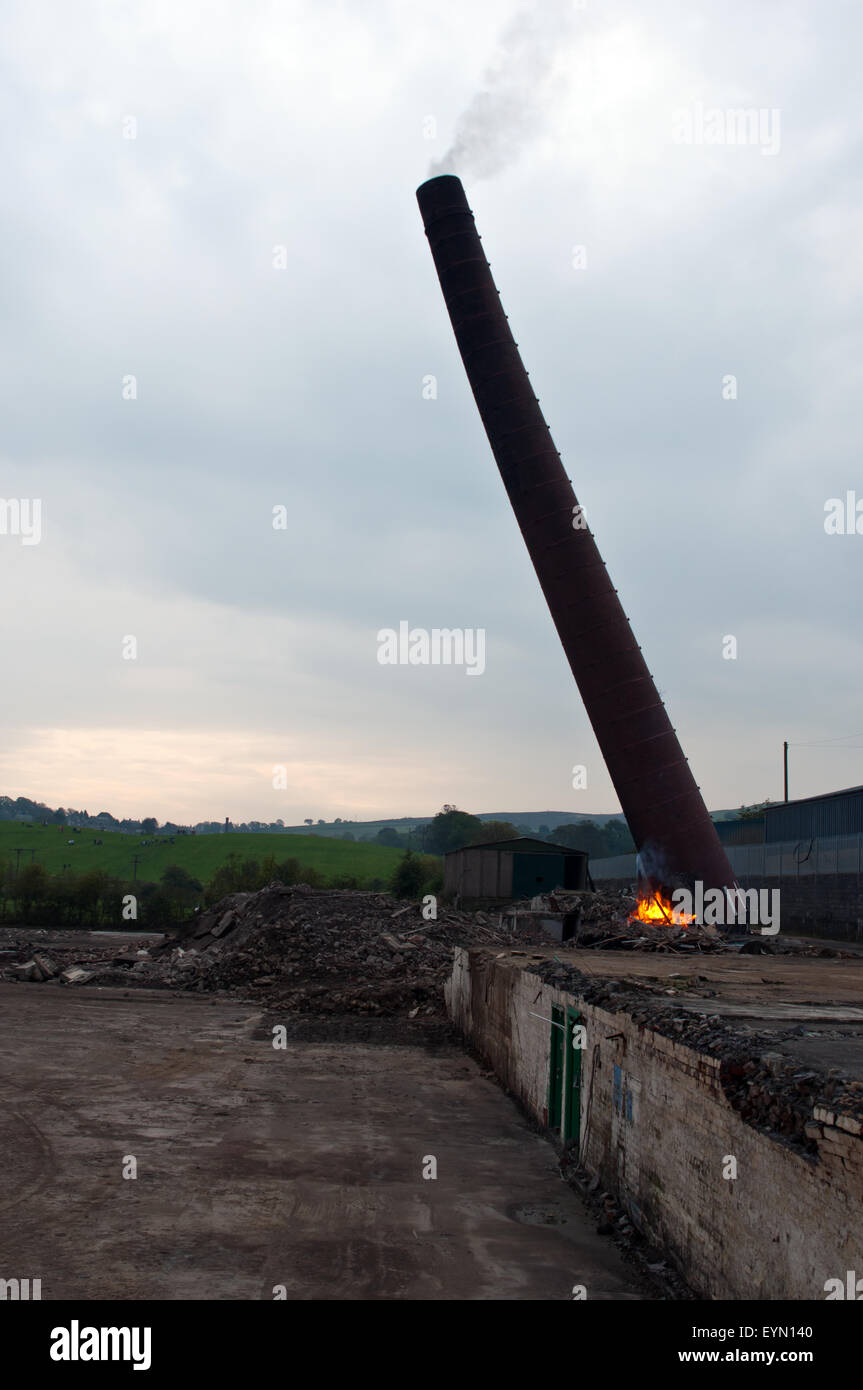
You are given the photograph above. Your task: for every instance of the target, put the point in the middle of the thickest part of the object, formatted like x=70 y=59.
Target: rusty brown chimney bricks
x=662 y=804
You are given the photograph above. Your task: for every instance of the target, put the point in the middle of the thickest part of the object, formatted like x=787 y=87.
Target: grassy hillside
x=200 y=854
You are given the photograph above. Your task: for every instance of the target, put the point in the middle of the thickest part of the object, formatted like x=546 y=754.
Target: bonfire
x=655 y=910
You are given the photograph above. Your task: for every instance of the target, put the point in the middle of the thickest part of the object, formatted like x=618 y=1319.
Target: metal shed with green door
x=509 y=869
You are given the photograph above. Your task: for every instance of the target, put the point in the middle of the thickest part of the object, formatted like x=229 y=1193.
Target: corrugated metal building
x=837 y=813
x=513 y=869
x=810 y=818
x=746 y=830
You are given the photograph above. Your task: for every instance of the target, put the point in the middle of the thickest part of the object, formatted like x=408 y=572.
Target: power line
x=839 y=747
x=823 y=743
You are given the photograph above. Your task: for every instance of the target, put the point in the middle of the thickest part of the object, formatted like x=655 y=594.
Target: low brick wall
x=658 y=1129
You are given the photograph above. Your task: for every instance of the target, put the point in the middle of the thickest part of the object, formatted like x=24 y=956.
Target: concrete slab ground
x=259 y=1167
x=821 y=1000
x=756 y=978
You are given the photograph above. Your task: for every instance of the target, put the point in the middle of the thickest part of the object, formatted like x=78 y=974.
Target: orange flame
x=657 y=911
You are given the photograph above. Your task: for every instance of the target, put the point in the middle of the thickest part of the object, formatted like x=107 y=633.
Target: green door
x=555 y=1068
x=536 y=873
x=572 y=1091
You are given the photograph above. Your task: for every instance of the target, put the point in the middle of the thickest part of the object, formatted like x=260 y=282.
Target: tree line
x=95 y=899
x=449 y=829
x=453 y=829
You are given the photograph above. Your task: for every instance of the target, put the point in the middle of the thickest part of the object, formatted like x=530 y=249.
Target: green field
x=201 y=855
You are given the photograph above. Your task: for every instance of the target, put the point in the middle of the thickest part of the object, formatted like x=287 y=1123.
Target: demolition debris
x=306 y=950
x=606 y=920
x=329 y=950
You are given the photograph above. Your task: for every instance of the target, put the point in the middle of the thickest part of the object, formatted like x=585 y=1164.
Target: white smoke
x=510 y=108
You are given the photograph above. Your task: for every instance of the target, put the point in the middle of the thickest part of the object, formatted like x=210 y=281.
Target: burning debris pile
x=656 y=910
x=307 y=950
x=615 y=919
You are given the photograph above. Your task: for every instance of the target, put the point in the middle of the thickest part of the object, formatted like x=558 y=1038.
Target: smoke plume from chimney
x=509 y=110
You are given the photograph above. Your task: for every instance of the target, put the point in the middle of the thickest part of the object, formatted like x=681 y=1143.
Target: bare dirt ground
x=260 y=1167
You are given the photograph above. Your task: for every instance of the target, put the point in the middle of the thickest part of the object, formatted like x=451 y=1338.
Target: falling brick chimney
x=675 y=837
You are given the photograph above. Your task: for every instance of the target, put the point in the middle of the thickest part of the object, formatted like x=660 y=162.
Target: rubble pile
x=63 y=966
x=770 y=1091
x=602 y=920
x=329 y=951
x=325 y=951
x=308 y=950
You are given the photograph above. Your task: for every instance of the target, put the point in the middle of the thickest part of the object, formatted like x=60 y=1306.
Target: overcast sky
x=295 y=379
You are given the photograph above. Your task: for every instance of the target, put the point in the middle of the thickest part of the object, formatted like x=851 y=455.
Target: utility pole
x=785 y=761
x=135 y=859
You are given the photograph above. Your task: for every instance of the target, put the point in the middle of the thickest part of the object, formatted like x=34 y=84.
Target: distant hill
x=534 y=819
x=22 y=808
x=528 y=820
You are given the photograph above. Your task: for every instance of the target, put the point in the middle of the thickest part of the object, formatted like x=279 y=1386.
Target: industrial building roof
x=822 y=796
x=522 y=844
